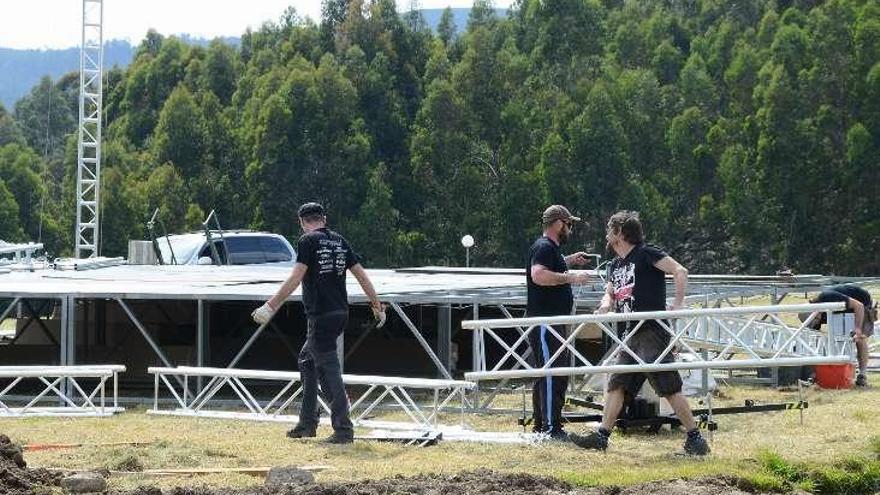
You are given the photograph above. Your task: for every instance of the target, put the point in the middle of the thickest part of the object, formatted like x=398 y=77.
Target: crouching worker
x=864 y=309
x=323 y=257
x=636 y=283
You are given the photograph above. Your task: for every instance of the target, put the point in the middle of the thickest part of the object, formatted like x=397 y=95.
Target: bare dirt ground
x=479 y=483
x=17 y=479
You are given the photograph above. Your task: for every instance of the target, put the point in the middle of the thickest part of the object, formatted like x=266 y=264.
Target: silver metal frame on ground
x=74 y=399
x=381 y=391
x=724 y=332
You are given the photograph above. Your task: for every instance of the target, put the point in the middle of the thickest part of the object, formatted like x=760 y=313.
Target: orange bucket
x=834 y=375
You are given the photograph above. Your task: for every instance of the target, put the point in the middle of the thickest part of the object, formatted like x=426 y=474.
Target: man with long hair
x=635 y=283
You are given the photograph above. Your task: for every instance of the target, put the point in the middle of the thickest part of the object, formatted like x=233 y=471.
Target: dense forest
x=746 y=133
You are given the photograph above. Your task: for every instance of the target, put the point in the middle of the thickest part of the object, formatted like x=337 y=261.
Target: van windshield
x=184 y=248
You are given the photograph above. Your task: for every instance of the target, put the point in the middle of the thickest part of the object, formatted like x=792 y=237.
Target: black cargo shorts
x=649 y=341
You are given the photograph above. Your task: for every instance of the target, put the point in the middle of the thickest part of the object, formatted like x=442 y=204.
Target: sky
x=56 y=23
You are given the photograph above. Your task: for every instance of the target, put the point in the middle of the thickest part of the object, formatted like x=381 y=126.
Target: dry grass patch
x=838 y=424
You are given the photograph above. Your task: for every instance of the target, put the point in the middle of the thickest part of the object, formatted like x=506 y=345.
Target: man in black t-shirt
x=637 y=283
x=322 y=259
x=548 y=283
x=859 y=302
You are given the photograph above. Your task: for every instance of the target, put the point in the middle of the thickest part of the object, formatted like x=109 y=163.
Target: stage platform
x=198 y=315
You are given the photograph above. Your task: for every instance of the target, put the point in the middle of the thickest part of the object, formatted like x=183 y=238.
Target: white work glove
x=379 y=314
x=263 y=314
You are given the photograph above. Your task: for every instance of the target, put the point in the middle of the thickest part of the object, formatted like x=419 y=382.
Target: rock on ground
x=280 y=477
x=85 y=482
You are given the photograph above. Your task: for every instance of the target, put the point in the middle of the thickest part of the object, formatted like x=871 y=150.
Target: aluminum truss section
x=369 y=392
x=88 y=160
x=22 y=255
x=723 y=331
x=75 y=399
x=93 y=263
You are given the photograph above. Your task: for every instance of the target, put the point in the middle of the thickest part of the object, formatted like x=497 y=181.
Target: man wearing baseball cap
x=322 y=259
x=549 y=294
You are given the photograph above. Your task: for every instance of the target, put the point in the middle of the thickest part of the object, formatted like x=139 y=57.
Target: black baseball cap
x=310 y=209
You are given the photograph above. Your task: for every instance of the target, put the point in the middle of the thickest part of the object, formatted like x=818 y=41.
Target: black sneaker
x=861 y=380
x=696 y=445
x=595 y=440
x=303 y=432
x=339 y=438
x=559 y=435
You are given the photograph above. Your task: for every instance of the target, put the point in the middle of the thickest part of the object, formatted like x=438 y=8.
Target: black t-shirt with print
x=327 y=256
x=636 y=284
x=547 y=300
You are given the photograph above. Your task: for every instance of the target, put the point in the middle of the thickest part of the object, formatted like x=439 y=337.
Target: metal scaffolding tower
x=88 y=170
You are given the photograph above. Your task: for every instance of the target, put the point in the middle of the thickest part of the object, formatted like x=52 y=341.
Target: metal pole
x=247 y=345
x=201 y=339
x=421 y=339
x=70 y=344
x=71 y=340
x=62 y=347
x=444 y=335
x=145 y=334
x=709 y=426
x=476 y=348
x=705 y=373
x=801 y=399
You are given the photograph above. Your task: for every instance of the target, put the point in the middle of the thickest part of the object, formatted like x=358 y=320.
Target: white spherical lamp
x=468 y=242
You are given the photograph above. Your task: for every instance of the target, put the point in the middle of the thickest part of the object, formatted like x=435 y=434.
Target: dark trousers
x=548 y=393
x=319 y=365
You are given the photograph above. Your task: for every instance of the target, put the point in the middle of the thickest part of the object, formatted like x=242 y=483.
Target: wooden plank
x=31 y=447
x=252 y=471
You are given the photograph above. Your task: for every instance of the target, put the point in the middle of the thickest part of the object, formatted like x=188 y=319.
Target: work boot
x=695 y=444
x=300 y=431
x=596 y=440
x=339 y=438
x=861 y=380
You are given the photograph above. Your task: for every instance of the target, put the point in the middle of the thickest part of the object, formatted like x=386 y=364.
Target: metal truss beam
x=724 y=331
x=88 y=159
x=369 y=394
x=77 y=401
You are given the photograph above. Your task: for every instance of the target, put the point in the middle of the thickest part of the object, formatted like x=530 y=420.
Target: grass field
x=838 y=425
